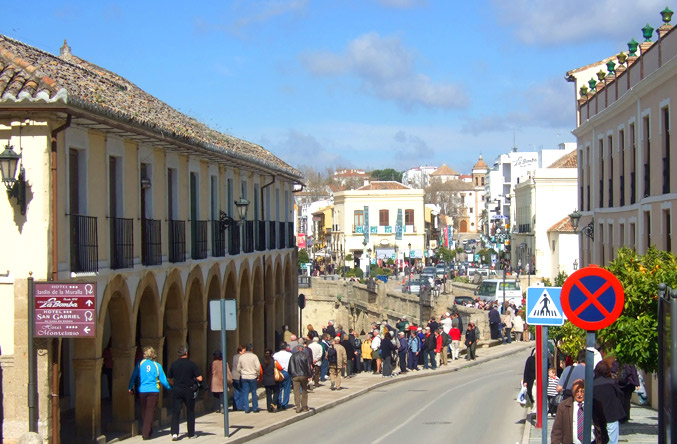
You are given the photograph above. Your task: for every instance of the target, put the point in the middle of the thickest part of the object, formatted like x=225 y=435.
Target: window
x=647 y=230
x=256 y=202
x=632 y=236
x=621 y=235
x=114 y=186
x=146 y=195
x=74 y=180
x=383 y=218
x=214 y=208
x=668 y=231
x=633 y=166
x=408 y=217
x=610 y=177
x=172 y=190
x=647 y=152
x=358 y=218
x=194 y=198
x=666 y=150
x=621 y=141
x=601 y=173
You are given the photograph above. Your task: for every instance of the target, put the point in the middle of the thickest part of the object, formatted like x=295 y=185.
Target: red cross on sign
x=592 y=298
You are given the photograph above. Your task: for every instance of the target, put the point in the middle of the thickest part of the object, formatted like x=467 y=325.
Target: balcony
x=281 y=239
x=151 y=243
x=198 y=239
x=177 y=240
x=272 y=232
x=84 y=244
x=218 y=240
x=248 y=246
x=260 y=235
x=121 y=243
x=234 y=240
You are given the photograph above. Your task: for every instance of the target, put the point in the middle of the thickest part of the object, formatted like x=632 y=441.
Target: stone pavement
x=641 y=429
x=245 y=427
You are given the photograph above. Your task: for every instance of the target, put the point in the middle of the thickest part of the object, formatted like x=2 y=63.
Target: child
x=553 y=380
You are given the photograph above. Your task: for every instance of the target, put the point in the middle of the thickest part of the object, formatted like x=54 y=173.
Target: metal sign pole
x=673 y=365
x=587 y=403
x=543 y=400
x=32 y=365
x=226 y=427
x=539 y=359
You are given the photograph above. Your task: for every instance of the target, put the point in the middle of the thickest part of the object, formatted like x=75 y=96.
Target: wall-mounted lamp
x=16 y=186
x=575 y=264
x=588 y=230
x=242 y=205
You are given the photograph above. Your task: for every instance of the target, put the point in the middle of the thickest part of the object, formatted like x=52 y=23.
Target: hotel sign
x=65 y=310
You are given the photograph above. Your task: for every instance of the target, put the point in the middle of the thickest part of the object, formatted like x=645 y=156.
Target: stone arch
x=272 y=339
x=118 y=351
x=258 y=318
x=196 y=323
x=245 y=305
x=291 y=307
x=173 y=324
x=463 y=226
x=280 y=316
x=230 y=291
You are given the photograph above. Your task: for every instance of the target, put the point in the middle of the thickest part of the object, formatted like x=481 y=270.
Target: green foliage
x=349 y=257
x=303 y=257
x=446 y=254
x=376 y=271
x=633 y=338
x=355 y=272
x=570 y=338
x=485 y=254
x=462 y=279
x=387 y=174
x=547 y=282
x=560 y=278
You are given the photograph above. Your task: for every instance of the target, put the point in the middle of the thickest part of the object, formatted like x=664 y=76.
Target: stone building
x=118 y=189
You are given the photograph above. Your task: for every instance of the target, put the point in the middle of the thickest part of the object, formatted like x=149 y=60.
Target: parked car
x=413 y=286
x=492 y=290
x=428 y=275
x=440 y=272
x=463 y=300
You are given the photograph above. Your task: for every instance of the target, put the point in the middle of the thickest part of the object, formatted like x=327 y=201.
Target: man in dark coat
x=563 y=427
x=299 y=370
x=494 y=322
x=387 y=349
x=350 y=353
x=429 y=350
x=402 y=352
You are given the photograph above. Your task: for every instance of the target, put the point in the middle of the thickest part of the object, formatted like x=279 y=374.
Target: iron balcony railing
x=234 y=240
x=291 y=239
x=248 y=246
x=272 y=233
x=198 y=239
x=260 y=235
x=177 y=240
x=151 y=242
x=218 y=240
x=121 y=243
x=84 y=244
x=281 y=240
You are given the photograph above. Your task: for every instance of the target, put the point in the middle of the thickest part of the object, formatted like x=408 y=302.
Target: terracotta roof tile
x=32 y=75
x=567 y=161
x=480 y=165
x=384 y=185
x=563 y=226
x=444 y=170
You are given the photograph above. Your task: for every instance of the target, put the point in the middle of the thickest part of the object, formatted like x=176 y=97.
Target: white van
x=492 y=290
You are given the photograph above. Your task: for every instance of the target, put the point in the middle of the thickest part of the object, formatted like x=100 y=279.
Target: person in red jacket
x=439 y=347
x=455 y=334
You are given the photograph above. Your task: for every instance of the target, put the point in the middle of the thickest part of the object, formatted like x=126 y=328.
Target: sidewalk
x=641 y=429
x=245 y=427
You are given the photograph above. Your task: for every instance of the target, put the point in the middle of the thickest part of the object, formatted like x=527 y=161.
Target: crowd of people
x=613 y=385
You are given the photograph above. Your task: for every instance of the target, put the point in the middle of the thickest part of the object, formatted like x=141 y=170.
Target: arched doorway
x=258 y=326
x=245 y=308
x=463 y=226
x=197 y=325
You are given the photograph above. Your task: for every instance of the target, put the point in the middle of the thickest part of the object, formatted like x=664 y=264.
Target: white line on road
x=383 y=438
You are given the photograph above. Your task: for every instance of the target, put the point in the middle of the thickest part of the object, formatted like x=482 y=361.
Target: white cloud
x=264 y=11
x=542 y=23
x=297 y=148
x=386 y=70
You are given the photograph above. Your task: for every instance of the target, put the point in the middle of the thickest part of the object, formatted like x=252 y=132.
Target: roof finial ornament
x=65 y=50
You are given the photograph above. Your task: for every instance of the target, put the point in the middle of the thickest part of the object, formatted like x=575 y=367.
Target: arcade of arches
x=166 y=308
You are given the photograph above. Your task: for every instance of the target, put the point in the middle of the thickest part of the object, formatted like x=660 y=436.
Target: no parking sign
x=592 y=298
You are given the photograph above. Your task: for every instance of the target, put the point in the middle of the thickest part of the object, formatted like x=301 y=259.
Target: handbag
x=277 y=375
x=522 y=397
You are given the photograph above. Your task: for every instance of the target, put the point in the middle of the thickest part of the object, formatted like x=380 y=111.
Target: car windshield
x=488 y=288
x=509 y=285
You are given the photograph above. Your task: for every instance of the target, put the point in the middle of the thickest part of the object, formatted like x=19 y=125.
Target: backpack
x=446 y=339
x=331 y=355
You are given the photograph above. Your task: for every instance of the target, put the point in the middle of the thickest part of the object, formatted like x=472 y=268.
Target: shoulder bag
x=277 y=375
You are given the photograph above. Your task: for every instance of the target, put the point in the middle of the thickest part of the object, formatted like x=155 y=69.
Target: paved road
x=474 y=404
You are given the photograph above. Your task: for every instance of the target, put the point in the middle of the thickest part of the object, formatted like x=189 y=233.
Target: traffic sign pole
x=543 y=399
x=539 y=381
x=224 y=364
x=587 y=402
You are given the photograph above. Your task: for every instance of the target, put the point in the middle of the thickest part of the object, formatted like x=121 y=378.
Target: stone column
x=197 y=335
x=245 y=324
x=258 y=328
x=87 y=406
x=270 y=323
x=174 y=338
x=122 y=402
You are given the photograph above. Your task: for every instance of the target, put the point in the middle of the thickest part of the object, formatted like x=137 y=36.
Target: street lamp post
x=397 y=262
x=409 y=264
x=368 y=262
x=575 y=264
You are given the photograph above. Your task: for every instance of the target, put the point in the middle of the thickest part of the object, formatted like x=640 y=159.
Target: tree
x=447 y=195
x=446 y=254
x=634 y=335
x=386 y=174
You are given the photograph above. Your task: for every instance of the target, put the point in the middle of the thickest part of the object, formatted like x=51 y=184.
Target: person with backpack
x=337 y=358
x=151 y=376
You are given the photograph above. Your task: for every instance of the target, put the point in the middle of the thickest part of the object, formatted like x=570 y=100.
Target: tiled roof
x=384 y=185
x=563 y=226
x=34 y=77
x=480 y=165
x=567 y=161
x=444 y=170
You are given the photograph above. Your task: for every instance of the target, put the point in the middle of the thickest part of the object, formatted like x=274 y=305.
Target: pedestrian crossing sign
x=544 y=306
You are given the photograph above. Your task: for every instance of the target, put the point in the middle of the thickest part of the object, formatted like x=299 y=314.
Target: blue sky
x=353 y=83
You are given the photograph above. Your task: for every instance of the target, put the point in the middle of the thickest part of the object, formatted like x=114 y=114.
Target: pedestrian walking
x=249 y=367
x=268 y=380
x=237 y=383
x=151 y=376
x=300 y=371
x=216 y=379
x=186 y=379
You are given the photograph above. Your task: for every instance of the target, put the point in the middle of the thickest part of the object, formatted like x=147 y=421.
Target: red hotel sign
x=65 y=310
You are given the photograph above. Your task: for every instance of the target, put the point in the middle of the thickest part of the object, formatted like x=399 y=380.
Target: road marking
x=383 y=438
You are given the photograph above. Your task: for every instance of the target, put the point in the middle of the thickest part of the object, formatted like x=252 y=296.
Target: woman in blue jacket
x=150 y=376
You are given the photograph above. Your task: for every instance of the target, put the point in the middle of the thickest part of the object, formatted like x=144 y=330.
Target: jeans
x=429 y=359
x=237 y=395
x=272 y=394
x=612 y=429
x=508 y=334
x=324 y=370
x=387 y=366
x=249 y=386
x=358 y=362
x=413 y=361
x=285 y=388
x=403 y=361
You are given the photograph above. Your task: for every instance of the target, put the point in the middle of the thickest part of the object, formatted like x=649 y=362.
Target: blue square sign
x=544 y=306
